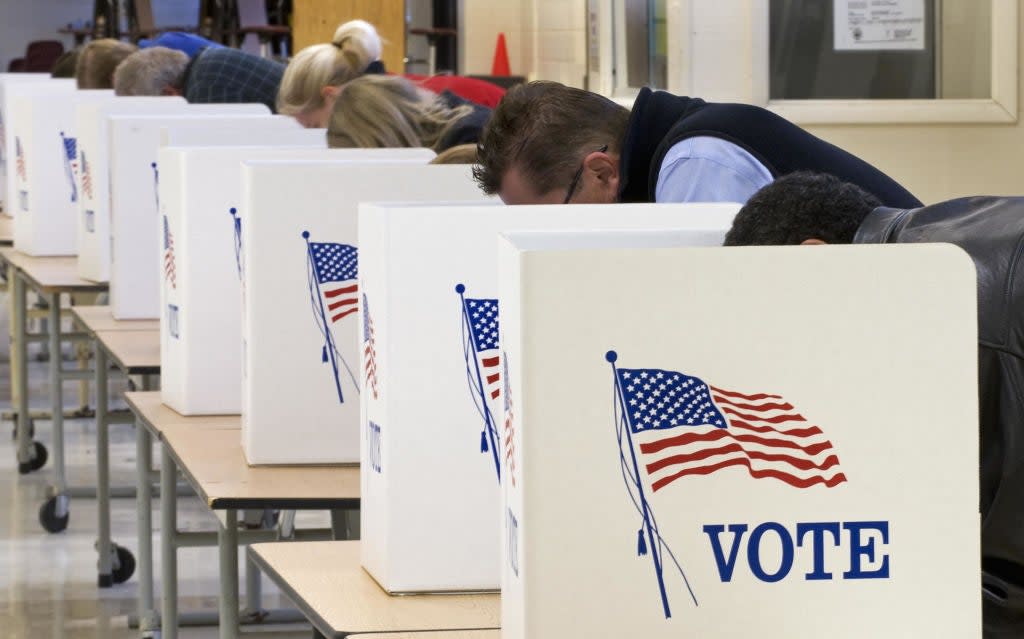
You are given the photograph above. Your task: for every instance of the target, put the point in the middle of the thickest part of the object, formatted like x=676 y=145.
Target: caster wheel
x=126 y=565
x=38 y=459
x=48 y=517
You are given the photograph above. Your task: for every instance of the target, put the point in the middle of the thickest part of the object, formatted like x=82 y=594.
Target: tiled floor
x=48 y=582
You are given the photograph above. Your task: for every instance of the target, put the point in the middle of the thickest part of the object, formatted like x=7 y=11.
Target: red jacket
x=477 y=91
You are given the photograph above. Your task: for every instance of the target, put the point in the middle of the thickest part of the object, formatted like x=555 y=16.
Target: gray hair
x=150 y=72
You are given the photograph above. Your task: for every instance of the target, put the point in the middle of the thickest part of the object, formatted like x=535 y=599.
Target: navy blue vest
x=660 y=120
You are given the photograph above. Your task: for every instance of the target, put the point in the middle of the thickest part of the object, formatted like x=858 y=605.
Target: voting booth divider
x=200 y=194
x=91 y=120
x=302 y=326
x=135 y=263
x=45 y=189
x=5 y=80
x=432 y=414
x=739 y=442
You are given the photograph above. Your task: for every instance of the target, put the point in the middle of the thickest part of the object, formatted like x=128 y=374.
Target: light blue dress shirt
x=709 y=169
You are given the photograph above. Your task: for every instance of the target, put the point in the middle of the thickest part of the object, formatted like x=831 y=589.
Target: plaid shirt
x=229 y=75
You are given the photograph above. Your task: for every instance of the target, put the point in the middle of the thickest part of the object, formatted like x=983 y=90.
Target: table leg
x=144 y=505
x=168 y=554
x=19 y=372
x=103 y=547
x=227 y=543
x=57 y=408
x=253 y=589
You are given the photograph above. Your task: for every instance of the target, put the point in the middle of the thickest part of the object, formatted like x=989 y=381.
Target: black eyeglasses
x=576 y=178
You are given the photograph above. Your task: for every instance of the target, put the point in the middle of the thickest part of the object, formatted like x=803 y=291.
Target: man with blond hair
x=214 y=75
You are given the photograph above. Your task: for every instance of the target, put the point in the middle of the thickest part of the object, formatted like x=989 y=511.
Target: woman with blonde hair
x=315 y=75
x=387 y=111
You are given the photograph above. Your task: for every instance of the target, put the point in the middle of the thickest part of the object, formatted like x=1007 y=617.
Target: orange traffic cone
x=500 y=66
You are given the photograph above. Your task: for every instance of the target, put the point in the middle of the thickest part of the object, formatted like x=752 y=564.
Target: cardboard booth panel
x=433 y=423
x=6 y=79
x=47 y=182
x=239 y=132
x=135 y=260
x=789 y=428
x=200 y=190
x=94 y=165
x=301 y=299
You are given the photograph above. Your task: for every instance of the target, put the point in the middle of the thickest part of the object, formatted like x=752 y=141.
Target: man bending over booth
x=806 y=208
x=552 y=144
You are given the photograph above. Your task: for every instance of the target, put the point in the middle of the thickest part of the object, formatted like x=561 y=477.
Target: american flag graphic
x=509 y=426
x=71 y=163
x=86 y=175
x=332 y=276
x=480 y=343
x=170 y=271
x=19 y=160
x=336 y=267
x=482 y=315
x=369 y=349
x=683 y=426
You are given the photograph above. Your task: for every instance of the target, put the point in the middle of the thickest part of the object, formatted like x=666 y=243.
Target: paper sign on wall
x=879 y=25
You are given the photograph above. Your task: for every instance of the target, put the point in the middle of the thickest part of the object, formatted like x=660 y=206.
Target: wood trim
x=314 y=22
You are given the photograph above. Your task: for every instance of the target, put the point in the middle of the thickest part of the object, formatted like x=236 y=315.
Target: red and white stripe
x=370 y=356
x=766 y=435
x=490 y=369
x=170 y=271
x=341 y=301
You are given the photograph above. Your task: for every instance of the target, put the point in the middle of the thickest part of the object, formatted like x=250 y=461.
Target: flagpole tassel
x=483 y=441
x=324 y=354
x=641 y=544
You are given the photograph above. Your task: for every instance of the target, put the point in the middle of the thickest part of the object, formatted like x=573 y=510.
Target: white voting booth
x=201 y=352
x=94 y=165
x=135 y=263
x=46 y=188
x=739 y=442
x=5 y=80
x=301 y=299
x=431 y=342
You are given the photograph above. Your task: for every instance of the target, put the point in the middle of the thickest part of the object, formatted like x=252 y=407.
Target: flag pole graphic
x=490 y=429
x=67 y=167
x=645 y=509
x=237 y=221
x=156 y=184
x=325 y=327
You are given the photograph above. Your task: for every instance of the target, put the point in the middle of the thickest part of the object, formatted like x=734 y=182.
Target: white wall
x=22 y=21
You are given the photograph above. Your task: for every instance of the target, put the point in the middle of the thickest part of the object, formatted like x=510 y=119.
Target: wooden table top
x=327 y=582
x=134 y=352
x=6 y=231
x=100 y=318
x=431 y=634
x=51 y=274
x=208 y=450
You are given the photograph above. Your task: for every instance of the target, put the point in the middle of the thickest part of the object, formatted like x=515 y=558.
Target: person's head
x=388 y=111
x=313 y=78
x=802 y=208
x=66 y=64
x=461 y=154
x=97 y=61
x=153 y=71
x=548 y=143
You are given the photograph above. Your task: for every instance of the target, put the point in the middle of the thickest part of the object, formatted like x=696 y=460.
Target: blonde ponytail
x=354 y=47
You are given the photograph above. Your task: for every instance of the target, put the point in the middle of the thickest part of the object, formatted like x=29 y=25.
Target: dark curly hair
x=801 y=206
x=545 y=129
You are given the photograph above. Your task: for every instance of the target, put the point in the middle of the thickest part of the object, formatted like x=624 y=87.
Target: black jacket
x=468 y=128
x=991 y=230
x=660 y=120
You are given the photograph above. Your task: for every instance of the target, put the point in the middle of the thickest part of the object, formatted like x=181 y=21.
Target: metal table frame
x=227 y=538
x=58 y=503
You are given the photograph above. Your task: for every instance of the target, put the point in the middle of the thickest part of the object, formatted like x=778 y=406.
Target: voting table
x=327 y=582
x=49 y=277
x=207 y=450
x=133 y=347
